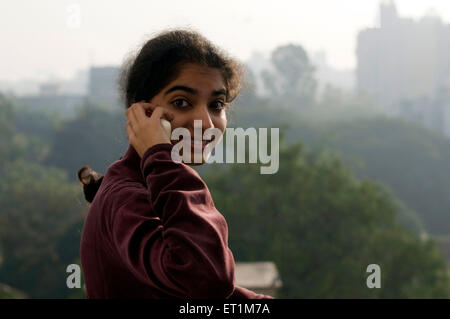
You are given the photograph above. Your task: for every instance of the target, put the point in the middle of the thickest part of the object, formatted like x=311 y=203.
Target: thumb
x=161 y=113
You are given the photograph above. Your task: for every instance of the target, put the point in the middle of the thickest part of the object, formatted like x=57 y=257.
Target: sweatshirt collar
x=132 y=160
x=131 y=155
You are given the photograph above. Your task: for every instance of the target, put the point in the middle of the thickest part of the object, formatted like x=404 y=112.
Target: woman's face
x=198 y=93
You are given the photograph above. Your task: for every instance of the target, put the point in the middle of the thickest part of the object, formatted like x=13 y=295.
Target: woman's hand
x=143 y=131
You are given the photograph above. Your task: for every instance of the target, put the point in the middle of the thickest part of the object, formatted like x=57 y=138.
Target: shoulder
x=120 y=182
x=117 y=189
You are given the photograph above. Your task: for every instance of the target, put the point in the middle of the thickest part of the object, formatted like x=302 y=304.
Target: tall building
x=402 y=58
x=98 y=85
x=103 y=85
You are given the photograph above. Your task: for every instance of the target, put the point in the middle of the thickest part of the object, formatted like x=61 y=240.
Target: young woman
x=152 y=230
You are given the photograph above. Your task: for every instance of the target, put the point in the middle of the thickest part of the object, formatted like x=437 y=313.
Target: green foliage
x=37 y=206
x=6 y=127
x=405 y=157
x=314 y=219
x=336 y=101
x=322 y=228
x=409 y=159
x=7 y=292
x=95 y=137
x=24 y=134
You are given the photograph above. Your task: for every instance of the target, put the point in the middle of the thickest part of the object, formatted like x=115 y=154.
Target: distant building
x=260 y=277
x=403 y=58
x=66 y=97
x=49 y=89
x=103 y=85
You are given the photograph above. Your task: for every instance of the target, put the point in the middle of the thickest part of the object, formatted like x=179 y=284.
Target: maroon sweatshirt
x=153 y=232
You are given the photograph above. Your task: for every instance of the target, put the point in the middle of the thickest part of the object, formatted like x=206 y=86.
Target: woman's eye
x=218 y=105
x=179 y=103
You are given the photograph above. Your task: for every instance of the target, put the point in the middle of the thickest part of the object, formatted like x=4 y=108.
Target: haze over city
x=40 y=43
x=357 y=98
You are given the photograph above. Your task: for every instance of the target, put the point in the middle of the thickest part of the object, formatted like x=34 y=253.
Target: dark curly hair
x=160 y=61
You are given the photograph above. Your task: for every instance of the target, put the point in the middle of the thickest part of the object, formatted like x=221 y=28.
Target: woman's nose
x=203 y=114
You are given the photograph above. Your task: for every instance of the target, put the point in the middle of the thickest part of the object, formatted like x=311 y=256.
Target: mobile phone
x=165 y=124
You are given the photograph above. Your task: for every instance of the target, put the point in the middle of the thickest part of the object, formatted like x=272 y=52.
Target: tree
x=407 y=158
x=40 y=221
x=38 y=205
x=95 y=137
x=322 y=227
x=6 y=127
x=293 y=78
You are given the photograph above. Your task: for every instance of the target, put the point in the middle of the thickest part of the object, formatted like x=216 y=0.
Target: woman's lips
x=199 y=144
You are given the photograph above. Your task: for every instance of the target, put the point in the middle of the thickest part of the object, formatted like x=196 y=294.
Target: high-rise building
x=403 y=59
x=103 y=85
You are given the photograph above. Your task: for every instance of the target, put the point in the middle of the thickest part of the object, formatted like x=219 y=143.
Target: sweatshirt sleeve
x=243 y=293
x=170 y=235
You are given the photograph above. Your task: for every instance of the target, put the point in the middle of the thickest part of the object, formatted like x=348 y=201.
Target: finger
x=130 y=125
x=168 y=115
x=130 y=131
x=142 y=111
x=139 y=112
x=131 y=116
x=145 y=104
x=148 y=107
x=159 y=112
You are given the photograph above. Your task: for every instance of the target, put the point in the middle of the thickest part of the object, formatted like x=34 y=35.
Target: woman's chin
x=197 y=158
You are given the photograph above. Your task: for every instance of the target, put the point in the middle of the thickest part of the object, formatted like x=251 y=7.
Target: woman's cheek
x=221 y=122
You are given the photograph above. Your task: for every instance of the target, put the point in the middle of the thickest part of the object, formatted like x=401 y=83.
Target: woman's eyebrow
x=192 y=91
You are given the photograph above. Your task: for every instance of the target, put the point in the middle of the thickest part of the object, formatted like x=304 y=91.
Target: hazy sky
x=41 y=38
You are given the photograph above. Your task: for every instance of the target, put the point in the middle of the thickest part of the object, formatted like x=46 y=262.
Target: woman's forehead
x=195 y=74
